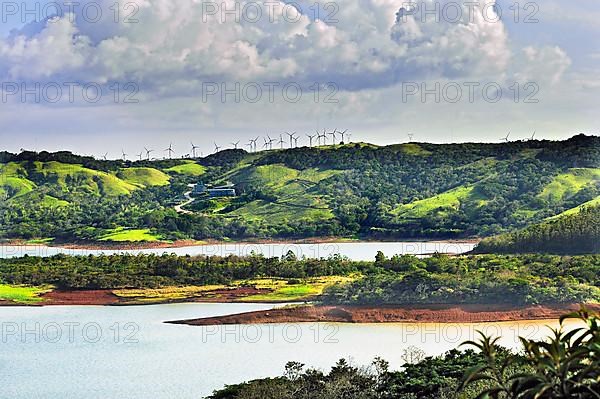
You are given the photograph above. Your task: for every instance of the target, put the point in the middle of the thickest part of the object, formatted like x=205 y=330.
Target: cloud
x=178 y=44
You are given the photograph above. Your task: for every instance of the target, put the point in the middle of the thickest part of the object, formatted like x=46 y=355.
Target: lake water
x=353 y=250
x=128 y=352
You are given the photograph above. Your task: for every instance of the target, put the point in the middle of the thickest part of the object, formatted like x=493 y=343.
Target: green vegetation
x=490 y=279
x=415 y=190
x=568 y=184
x=293 y=290
x=441 y=204
x=144 y=177
x=440 y=279
x=139 y=235
x=21 y=294
x=572 y=233
x=273 y=290
x=565 y=365
x=161 y=295
x=189 y=168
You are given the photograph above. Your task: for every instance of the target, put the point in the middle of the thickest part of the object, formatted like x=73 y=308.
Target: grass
x=35 y=241
x=152 y=295
x=144 y=177
x=292 y=189
x=283 y=291
x=92 y=181
x=13 y=181
x=577 y=209
x=277 y=213
x=133 y=235
x=443 y=203
x=189 y=168
x=412 y=149
x=22 y=294
x=51 y=202
x=568 y=184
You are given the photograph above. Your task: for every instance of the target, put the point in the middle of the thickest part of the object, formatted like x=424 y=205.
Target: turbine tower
x=169 y=149
x=281 y=141
x=324 y=135
x=310 y=139
x=235 y=145
x=148 y=153
x=291 y=136
x=253 y=142
x=217 y=148
x=533 y=136
x=332 y=134
x=123 y=155
x=342 y=134
x=194 y=147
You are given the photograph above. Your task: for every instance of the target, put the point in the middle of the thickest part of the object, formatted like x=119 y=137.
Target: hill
x=573 y=232
x=418 y=190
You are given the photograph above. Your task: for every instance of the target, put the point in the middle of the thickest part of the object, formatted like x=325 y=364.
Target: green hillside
x=569 y=184
x=143 y=177
x=442 y=204
x=77 y=177
x=416 y=190
x=189 y=168
x=571 y=233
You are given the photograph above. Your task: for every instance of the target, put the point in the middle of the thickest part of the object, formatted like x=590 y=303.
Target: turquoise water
x=128 y=352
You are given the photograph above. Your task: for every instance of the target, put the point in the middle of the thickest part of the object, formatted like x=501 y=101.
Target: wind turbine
x=310 y=139
x=281 y=141
x=170 y=150
x=217 y=148
x=148 y=153
x=266 y=144
x=271 y=141
x=249 y=145
x=532 y=136
x=194 y=147
x=324 y=136
x=104 y=156
x=410 y=137
x=332 y=134
x=123 y=155
x=505 y=139
x=254 y=143
x=291 y=135
x=342 y=134
x=140 y=155
x=235 y=145
x=296 y=141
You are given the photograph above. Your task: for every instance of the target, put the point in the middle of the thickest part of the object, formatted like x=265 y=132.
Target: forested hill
x=416 y=190
x=575 y=232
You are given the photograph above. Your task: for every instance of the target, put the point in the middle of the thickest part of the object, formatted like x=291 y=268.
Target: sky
x=103 y=76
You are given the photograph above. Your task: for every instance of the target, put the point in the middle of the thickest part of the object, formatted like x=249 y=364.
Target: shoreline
x=461 y=313
x=304 y=312
x=92 y=246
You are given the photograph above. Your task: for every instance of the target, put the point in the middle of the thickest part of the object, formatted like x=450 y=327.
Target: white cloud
x=174 y=41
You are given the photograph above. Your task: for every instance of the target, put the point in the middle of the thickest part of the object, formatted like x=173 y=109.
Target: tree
x=564 y=367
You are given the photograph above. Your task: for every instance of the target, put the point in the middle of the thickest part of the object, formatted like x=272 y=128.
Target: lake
x=352 y=250
x=128 y=352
